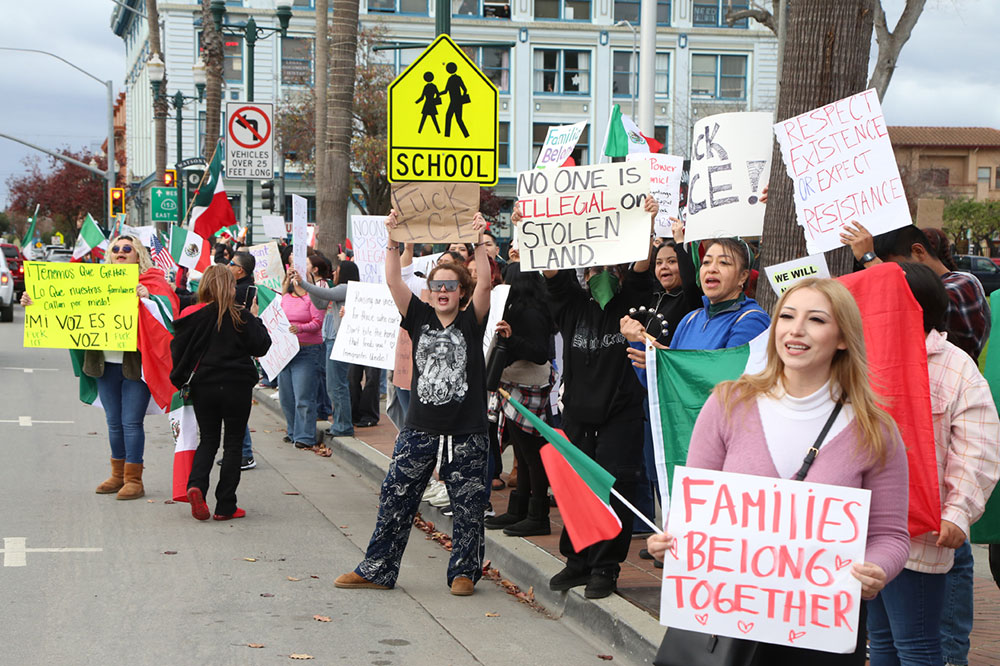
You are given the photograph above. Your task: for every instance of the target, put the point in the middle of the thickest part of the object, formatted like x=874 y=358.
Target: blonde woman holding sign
x=764 y=424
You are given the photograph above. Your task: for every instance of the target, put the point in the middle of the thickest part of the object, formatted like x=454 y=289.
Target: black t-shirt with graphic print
x=448 y=387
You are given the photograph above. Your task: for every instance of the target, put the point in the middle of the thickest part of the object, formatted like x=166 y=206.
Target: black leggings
x=216 y=405
x=531 y=477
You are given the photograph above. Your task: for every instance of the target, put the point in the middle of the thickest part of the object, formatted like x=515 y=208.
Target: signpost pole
x=442 y=17
x=178 y=105
x=250 y=35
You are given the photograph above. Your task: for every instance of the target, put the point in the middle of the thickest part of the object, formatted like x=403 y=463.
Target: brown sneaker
x=352 y=581
x=462 y=587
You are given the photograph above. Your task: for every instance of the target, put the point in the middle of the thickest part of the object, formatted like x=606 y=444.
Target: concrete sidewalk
x=626 y=620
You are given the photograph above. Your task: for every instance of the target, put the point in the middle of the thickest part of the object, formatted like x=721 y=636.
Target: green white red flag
x=190 y=249
x=210 y=208
x=90 y=237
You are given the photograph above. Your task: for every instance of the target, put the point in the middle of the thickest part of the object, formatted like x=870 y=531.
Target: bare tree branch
x=756 y=12
x=891 y=43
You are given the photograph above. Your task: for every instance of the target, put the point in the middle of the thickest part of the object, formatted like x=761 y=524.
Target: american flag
x=161 y=257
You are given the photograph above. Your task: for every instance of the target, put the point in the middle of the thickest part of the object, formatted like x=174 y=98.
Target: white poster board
x=583 y=216
x=784 y=275
x=367 y=333
x=284 y=343
x=764 y=559
x=665 y=184
x=425 y=263
x=267 y=270
x=300 y=234
x=841 y=161
x=274 y=226
x=498 y=301
x=730 y=166
x=369 y=238
x=559 y=144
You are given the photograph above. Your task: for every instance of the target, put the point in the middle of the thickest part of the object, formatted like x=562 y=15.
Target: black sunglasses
x=449 y=285
x=123 y=249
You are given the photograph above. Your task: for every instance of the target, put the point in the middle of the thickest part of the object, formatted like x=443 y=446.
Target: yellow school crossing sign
x=443 y=119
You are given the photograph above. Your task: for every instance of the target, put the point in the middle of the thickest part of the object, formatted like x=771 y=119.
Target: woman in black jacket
x=213 y=348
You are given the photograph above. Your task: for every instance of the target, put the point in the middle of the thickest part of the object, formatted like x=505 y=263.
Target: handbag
x=683 y=647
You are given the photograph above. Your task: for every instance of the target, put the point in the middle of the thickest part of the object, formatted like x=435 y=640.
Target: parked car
x=984 y=269
x=6 y=291
x=15 y=261
x=59 y=254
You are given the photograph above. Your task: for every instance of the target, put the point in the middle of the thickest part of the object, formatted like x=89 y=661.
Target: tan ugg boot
x=114 y=482
x=133 y=482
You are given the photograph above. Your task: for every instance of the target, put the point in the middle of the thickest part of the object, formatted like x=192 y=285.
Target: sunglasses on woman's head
x=122 y=249
x=449 y=285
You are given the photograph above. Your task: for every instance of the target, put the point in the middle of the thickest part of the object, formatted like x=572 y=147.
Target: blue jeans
x=904 y=621
x=323 y=407
x=124 y=402
x=403 y=396
x=297 y=394
x=247 y=444
x=340 y=394
x=956 y=611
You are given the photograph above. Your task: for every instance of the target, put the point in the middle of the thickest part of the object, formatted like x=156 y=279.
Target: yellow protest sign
x=81 y=306
x=443 y=119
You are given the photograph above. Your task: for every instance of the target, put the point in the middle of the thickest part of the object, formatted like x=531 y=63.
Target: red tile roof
x=944 y=136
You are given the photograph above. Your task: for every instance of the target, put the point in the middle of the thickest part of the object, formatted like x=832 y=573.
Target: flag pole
x=636 y=511
x=202 y=182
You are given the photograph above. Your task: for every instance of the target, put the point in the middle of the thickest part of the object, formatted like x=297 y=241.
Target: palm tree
x=212 y=54
x=159 y=103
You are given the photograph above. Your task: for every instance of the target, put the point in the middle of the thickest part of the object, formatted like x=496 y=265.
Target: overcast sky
x=946 y=73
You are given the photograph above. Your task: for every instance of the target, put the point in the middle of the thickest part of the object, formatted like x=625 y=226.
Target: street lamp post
x=251 y=32
x=634 y=67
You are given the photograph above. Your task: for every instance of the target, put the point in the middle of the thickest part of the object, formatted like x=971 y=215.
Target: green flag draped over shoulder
x=987 y=528
x=88 y=385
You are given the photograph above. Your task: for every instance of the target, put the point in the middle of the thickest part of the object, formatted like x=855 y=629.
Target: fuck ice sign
x=764 y=559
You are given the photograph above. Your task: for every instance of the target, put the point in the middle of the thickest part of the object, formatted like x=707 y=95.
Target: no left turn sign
x=249 y=141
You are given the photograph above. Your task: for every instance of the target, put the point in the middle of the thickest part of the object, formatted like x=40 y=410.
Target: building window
x=503 y=145
x=232 y=63
x=624 y=77
x=494 y=62
x=983 y=174
x=712 y=13
x=566 y=72
x=628 y=10
x=296 y=61
x=398 y=7
x=566 y=10
x=580 y=155
x=997 y=184
x=481 y=8
x=304 y=4
x=719 y=76
x=935 y=177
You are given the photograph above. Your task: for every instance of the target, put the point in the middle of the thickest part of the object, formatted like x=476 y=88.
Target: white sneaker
x=441 y=499
x=433 y=488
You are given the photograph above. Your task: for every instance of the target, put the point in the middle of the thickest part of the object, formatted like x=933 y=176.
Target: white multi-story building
x=553 y=61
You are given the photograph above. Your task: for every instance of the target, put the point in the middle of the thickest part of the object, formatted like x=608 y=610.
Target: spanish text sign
x=81 y=306
x=765 y=559
x=841 y=161
x=583 y=216
x=443 y=119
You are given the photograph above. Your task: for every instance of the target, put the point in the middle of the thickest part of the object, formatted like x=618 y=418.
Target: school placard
x=81 y=306
x=367 y=333
x=583 y=216
x=764 y=559
x=841 y=161
x=730 y=166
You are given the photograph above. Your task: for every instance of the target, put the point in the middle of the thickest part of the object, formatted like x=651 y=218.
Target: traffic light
x=170 y=178
x=116 y=200
x=267 y=195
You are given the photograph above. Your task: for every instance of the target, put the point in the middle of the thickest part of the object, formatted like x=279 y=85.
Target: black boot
x=537 y=522
x=517 y=509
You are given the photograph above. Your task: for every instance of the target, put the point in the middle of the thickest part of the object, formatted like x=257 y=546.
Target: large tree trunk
x=320 y=91
x=825 y=59
x=160 y=104
x=212 y=54
x=340 y=124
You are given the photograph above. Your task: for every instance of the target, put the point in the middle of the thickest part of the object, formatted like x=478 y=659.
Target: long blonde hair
x=848 y=370
x=145 y=261
x=218 y=286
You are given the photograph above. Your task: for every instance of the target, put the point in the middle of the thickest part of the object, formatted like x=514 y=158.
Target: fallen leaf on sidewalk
x=266 y=594
x=493 y=615
x=255 y=645
x=605 y=657
x=249 y=559
x=291 y=492
x=322 y=450
x=170 y=552
x=169 y=502
x=322 y=618
x=343 y=527
x=268 y=431
x=150 y=501
x=91 y=433
x=300 y=656
x=311 y=576
x=293 y=579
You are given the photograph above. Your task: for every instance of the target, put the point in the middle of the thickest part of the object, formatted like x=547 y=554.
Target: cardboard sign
x=782 y=276
x=284 y=343
x=583 y=216
x=369 y=238
x=665 y=184
x=730 y=165
x=81 y=306
x=267 y=270
x=498 y=301
x=841 y=161
x=367 y=333
x=274 y=226
x=765 y=559
x=559 y=144
x=300 y=234
x=435 y=212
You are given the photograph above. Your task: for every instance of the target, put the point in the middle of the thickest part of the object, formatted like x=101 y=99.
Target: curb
x=613 y=620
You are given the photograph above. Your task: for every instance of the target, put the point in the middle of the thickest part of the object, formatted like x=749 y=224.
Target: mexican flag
x=681 y=381
x=624 y=137
x=210 y=209
x=987 y=528
x=29 y=237
x=90 y=237
x=184 y=427
x=190 y=249
x=581 y=486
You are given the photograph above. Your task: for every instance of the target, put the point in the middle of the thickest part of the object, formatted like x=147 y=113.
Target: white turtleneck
x=791 y=425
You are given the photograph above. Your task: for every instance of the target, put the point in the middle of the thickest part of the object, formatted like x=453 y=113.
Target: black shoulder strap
x=814 y=449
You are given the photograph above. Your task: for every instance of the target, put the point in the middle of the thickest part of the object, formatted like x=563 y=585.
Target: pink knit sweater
x=736 y=444
x=302 y=313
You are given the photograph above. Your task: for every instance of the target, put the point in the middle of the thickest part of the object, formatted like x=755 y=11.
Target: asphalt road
x=148 y=584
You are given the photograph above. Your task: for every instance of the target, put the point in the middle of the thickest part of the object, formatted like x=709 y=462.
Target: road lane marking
x=27 y=421
x=15 y=554
x=28 y=371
